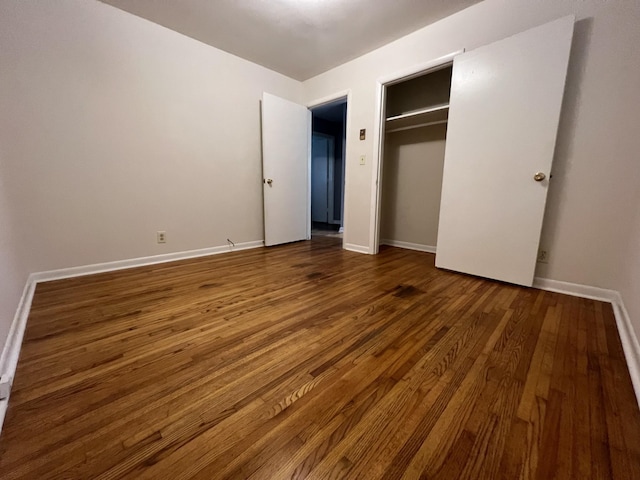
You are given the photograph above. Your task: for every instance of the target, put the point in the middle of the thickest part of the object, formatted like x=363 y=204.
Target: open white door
x=286 y=128
x=503 y=120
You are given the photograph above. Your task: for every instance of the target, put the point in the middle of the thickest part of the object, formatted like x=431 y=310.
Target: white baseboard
x=576 y=290
x=140 y=262
x=11 y=350
x=628 y=337
x=13 y=343
x=352 y=247
x=410 y=246
x=630 y=343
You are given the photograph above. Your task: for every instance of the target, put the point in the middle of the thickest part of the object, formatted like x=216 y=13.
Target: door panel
x=319 y=179
x=285 y=168
x=503 y=120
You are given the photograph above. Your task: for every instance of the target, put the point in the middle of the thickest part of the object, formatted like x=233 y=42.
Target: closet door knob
x=539 y=176
x=269 y=181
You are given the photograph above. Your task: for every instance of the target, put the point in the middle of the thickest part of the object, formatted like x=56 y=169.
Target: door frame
x=379 y=132
x=341 y=95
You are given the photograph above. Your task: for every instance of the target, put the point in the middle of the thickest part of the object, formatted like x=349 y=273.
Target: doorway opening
x=328 y=147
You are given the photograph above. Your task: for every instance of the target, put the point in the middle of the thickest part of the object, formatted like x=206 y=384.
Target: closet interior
x=415 y=130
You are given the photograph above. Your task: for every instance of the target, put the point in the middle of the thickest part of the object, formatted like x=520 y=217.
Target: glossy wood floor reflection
x=307 y=361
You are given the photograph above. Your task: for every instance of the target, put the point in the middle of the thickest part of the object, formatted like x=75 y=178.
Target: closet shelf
x=418 y=118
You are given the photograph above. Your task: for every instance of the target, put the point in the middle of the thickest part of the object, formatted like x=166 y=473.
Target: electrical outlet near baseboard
x=161 y=237
x=543 y=256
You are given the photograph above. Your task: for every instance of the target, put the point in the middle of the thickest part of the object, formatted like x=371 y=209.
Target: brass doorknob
x=539 y=176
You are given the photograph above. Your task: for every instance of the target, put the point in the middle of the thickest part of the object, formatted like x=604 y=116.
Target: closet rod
x=420 y=125
x=437 y=108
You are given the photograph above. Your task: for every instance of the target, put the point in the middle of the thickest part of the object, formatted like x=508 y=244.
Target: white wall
x=112 y=128
x=630 y=270
x=13 y=272
x=589 y=209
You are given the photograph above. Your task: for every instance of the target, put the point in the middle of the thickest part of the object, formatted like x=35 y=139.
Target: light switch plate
x=362 y=159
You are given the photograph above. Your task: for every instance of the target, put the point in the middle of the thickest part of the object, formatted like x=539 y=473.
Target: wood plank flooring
x=307 y=361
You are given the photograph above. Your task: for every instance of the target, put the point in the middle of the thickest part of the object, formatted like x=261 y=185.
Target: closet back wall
x=412 y=185
x=113 y=128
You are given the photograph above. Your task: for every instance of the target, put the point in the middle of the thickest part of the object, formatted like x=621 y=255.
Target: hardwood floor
x=307 y=361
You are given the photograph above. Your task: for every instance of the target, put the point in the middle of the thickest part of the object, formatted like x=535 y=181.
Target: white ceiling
x=299 y=38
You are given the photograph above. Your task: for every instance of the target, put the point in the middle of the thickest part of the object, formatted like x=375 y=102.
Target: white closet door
x=503 y=120
x=286 y=128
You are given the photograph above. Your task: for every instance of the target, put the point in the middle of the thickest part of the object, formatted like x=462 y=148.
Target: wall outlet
x=543 y=256
x=161 y=236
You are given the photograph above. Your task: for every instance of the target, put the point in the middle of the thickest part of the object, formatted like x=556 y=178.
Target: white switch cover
x=362 y=159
